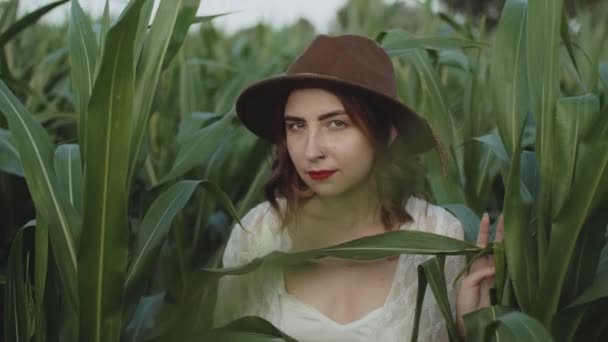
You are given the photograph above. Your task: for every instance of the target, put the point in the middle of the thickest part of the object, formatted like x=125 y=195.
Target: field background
x=446 y=59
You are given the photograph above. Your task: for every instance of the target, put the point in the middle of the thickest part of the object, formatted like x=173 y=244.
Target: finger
x=500 y=230
x=484 y=231
x=474 y=278
x=484 y=292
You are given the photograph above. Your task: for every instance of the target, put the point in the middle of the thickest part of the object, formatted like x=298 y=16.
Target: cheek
x=292 y=151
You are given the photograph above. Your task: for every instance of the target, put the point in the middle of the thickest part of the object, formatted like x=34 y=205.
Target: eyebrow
x=320 y=118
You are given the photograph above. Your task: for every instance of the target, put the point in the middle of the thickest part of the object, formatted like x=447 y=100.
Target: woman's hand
x=474 y=290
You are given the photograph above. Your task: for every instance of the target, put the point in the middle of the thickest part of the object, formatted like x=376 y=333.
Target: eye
x=295 y=125
x=337 y=124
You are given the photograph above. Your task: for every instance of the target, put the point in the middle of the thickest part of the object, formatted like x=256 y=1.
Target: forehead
x=311 y=102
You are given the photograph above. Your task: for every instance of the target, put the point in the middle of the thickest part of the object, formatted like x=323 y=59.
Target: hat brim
x=257 y=103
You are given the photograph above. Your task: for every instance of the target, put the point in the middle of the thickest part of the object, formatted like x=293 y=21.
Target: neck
x=348 y=211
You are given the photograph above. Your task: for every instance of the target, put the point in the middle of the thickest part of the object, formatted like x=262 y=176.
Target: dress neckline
x=361 y=320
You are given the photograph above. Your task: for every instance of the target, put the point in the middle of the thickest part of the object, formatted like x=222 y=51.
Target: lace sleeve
x=236 y=295
x=446 y=225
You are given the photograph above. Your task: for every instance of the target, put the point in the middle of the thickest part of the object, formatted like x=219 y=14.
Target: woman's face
x=330 y=153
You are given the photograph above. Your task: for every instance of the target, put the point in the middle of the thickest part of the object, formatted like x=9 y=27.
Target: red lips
x=319 y=175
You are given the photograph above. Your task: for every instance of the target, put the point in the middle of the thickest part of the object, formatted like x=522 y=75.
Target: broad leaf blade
x=520 y=248
x=148 y=73
x=433 y=270
x=36 y=154
x=41 y=263
x=186 y=17
x=543 y=40
x=103 y=253
x=508 y=70
x=520 y=327
x=575 y=117
x=19 y=320
x=476 y=322
x=9 y=157
x=69 y=174
x=27 y=20
x=154 y=228
x=83 y=53
x=362 y=249
x=592 y=165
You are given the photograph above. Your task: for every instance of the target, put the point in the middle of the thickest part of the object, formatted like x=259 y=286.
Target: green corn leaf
x=8 y=15
x=207 y=18
x=154 y=51
x=603 y=77
x=197 y=148
x=103 y=33
x=142 y=27
x=36 y=154
x=494 y=142
x=144 y=318
x=27 y=21
x=568 y=321
x=529 y=176
x=433 y=271
x=367 y=248
x=439 y=114
x=586 y=257
x=422 y=284
x=519 y=245
x=543 y=43
x=17 y=310
x=83 y=54
x=575 y=118
x=591 y=166
x=500 y=263
x=9 y=157
x=155 y=226
x=190 y=124
x=565 y=35
x=508 y=69
x=103 y=253
x=69 y=174
x=476 y=322
x=598 y=289
x=517 y=326
x=469 y=220
x=186 y=17
x=594 y=324
x=41 y=263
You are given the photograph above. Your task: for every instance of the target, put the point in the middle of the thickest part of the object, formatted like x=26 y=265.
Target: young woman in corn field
x=346 y=166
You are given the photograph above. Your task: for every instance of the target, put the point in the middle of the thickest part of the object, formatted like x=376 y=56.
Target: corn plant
x=551 y=275
x=116 y=256
x=87 y=275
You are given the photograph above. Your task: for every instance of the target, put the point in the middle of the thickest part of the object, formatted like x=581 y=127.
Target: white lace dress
x=262 y=292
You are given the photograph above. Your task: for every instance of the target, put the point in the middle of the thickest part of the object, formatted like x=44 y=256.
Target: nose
x=314 y=148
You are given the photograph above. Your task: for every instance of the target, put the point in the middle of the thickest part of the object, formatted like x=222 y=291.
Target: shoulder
x=257 y=235
x=262 y=216
x=432 y=218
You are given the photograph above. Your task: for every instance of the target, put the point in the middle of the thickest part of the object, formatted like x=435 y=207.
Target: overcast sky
x=277 y=12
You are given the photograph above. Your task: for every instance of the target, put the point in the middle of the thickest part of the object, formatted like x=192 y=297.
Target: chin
x=326 y=191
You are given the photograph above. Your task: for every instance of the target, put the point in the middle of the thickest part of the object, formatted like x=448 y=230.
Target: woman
x=346 y=167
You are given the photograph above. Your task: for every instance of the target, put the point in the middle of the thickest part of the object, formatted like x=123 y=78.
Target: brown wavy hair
x=393 y=165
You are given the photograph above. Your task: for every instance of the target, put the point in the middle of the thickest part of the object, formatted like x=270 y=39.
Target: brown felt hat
x=347 y=63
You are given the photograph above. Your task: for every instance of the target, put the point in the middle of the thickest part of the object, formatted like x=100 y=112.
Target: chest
x=342 y=290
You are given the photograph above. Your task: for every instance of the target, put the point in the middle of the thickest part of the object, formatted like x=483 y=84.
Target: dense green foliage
x=115 y=125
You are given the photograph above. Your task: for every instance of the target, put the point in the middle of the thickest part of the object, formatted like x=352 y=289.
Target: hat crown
x=351 y=58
